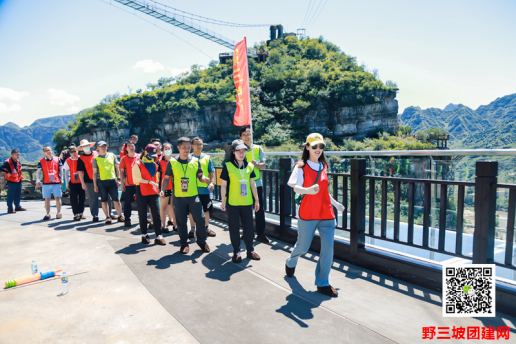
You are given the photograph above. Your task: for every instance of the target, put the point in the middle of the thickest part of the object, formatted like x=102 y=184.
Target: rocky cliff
x=214 y=123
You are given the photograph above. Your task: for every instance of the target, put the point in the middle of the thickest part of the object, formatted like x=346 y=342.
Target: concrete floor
x=122 y=291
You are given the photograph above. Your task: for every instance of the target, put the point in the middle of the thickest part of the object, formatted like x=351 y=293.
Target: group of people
x=181 y=186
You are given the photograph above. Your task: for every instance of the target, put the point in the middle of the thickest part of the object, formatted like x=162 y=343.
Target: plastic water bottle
x=34 y=268
x=65 y=283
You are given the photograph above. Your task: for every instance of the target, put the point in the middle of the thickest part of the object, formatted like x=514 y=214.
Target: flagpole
x=249 y=93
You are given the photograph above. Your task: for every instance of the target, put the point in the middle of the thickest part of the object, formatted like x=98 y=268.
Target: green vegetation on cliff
x=297 y=75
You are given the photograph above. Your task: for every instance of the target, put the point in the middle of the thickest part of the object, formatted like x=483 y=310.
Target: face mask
x=168 y=152
x=86 y=149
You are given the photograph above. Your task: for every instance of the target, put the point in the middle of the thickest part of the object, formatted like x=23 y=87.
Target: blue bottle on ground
x=65 y=283
x=34 y=267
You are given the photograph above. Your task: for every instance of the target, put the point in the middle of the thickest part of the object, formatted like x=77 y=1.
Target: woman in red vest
x=166 y=202
x=146 y=173
x=310 y=180
x=77 y=194
x=126 y=172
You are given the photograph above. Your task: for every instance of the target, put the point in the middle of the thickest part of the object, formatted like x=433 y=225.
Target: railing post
x=285 y=166
x=358 y=206
x=485 y=212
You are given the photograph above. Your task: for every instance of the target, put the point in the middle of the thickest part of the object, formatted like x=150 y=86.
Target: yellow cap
x=314 y=139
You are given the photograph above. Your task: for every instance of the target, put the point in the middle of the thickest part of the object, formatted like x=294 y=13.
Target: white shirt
x=297 y=177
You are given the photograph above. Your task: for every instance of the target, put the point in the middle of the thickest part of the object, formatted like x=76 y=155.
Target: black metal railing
x=359 y=193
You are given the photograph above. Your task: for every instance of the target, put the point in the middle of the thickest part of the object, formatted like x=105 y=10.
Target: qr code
x=469 y=291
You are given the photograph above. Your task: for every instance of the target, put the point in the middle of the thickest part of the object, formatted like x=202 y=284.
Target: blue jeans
x=305 y=234
x=13 y=195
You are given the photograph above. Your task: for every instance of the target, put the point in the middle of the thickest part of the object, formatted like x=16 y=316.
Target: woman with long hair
x=238 y=180
x=310 y=181
x=166 y=202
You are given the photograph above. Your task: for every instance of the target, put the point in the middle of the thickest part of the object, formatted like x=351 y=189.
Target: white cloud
x=61 y=98
x=74 y=109
x=5 y=108
x=176 y=71
x=11 y=94
x=148 y=66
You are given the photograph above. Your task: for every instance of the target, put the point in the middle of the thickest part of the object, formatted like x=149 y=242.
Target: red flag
x=241 y=79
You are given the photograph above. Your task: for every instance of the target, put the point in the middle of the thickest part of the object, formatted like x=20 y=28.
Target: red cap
x=152 y=150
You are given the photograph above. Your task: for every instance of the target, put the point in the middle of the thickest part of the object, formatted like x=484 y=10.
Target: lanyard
x=241 y=170
x=184 y=169
x=48 y=169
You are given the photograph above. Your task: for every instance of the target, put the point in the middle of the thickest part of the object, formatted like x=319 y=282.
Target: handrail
x=440 y=152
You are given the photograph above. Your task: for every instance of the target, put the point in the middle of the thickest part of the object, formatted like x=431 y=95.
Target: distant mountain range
x=489 y=126
x=30 y=139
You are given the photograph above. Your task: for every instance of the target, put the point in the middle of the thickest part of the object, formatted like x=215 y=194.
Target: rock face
x=214 y=123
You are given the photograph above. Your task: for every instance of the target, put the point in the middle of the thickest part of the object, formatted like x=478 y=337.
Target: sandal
x=46 y=218
x=59 y=216
x=108 y=221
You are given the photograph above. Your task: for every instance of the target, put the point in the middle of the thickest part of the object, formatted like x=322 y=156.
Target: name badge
x=51 y=177
x=76 y=177
x=184 y=184
x=243 y=188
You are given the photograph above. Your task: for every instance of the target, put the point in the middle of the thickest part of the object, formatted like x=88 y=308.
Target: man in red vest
x=52 y=169
x=126 y=171
x=85 y=169
x=13 y=175
x=77 y=194
x=133 y=139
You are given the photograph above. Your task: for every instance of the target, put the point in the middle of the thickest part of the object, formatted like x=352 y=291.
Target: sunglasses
x=321 y=146
x=73 y=151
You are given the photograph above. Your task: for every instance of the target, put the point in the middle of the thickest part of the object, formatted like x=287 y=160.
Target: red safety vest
x=147 y=189
x=163 y=163
x=88 y=163
x=74 y=175
x=48 y=168
x=128 y=165
x=122 y=151
x=318 y=206
x=16 y=173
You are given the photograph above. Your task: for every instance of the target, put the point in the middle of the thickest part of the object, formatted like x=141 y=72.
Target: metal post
x=485 y=212
x=285 y=165
x=358 y=206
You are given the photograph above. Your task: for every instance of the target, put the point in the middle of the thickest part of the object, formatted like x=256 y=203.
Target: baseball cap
x=152 y=150
x=238 y=145
x=101 y=143
x=314 y=139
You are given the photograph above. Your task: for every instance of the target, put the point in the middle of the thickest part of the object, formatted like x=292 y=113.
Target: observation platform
x=122 y=291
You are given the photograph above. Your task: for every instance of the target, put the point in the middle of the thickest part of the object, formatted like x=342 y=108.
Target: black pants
x=260 y=214
x=236 y=214
x=129 y=193
x=152 y=201
x=183 y=206
x=77 y=197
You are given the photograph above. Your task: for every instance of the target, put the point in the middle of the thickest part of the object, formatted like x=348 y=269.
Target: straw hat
x=85 y=143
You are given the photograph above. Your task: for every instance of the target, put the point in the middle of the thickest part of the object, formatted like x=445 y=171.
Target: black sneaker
x=146 y=240
x=95 y=219
x=262 y=238
x=165 y=230
x=127 y=223
x=289 y=271
x=328 y=291
x=236 y=258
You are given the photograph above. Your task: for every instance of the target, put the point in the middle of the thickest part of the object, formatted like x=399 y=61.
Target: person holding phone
x=238 y=181
x=310 y=180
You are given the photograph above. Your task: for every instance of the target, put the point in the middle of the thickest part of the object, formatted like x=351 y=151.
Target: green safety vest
x=205 y=163
x=106 y=166
x=190 y=172
x=249 y=157
x=234 y=193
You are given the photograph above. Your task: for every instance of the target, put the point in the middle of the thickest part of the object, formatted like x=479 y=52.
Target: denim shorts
x=48 y=189
x=108 y=187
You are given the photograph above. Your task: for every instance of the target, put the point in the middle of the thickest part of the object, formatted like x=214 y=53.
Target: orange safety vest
x=48 y=168
x=318 y=206
x=16 y=173
x=128 y=164
x=74 y=175
x=88 y=163
x=163 y=163
x=147 y=189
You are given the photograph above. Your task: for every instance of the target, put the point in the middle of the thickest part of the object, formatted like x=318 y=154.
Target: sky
x=59 y=56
